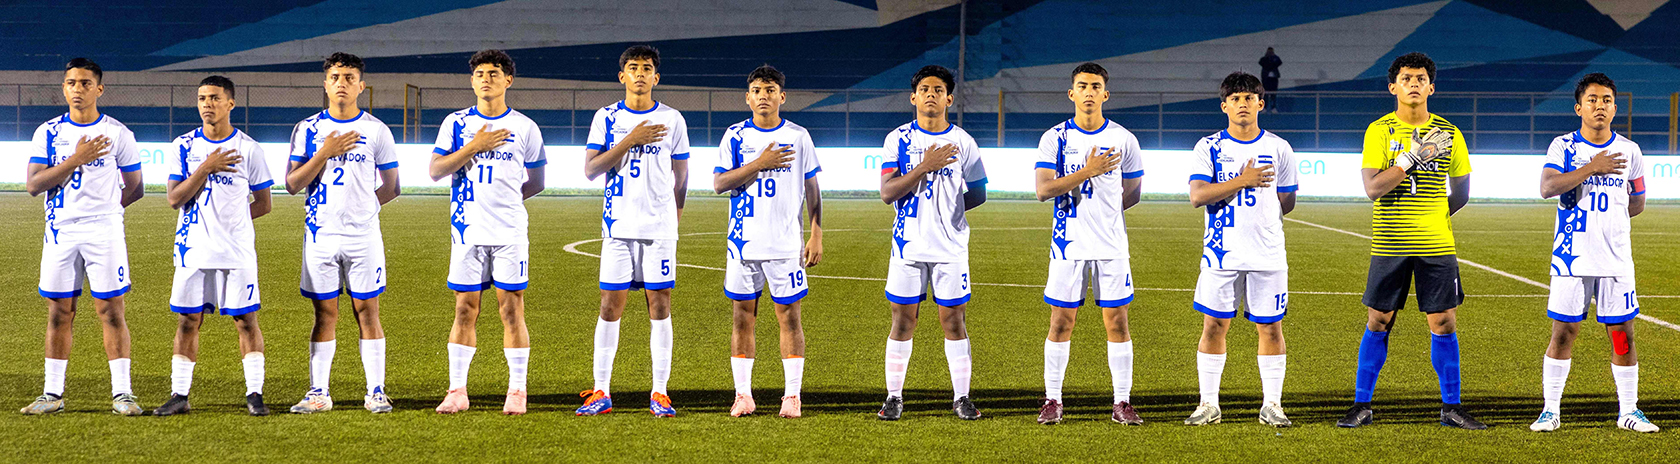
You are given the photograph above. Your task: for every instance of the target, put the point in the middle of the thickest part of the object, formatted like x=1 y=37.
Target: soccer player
x=1600 y=179
x=1076 y=166
x=1245 y=177
x=88 y=166
x=641 y=146
x=1410 y=158
x=215 y=243
x=495 y=157
x=934 y=177
x=346 y=160
x=769 y=168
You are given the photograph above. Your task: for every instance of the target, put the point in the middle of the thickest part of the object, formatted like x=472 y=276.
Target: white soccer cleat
x=1272 y=414
x=315 y=401
x=1637 y=422
x=377 y=402
x=1548 y=422
x=1205 y=414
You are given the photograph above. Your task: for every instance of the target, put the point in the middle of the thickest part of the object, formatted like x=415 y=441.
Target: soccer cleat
x=44 y=404
x=743 y=406
x=254 y=404
x=1205 y=414
x=377 y=402
x=965 y=409
x=1548 y=422
x=515 y=404
x=1358 y=415
x=595 y=402
x=790 y=407
x=177 y=404
x=126 y=405
x=454 y=402
x=317 y=400
x=1125 y=414
x=1637 y=422
x=891 y=409
x=1454 y=415
x=1272 y=414
x=1050 y=413
x=660 y=405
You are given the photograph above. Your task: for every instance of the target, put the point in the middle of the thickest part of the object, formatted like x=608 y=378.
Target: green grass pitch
x=1503 y=329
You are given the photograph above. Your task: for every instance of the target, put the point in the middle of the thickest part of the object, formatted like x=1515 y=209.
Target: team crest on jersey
x=1395 y=145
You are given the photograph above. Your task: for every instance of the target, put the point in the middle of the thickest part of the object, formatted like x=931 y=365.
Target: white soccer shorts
x=1617 y=302
x=638 y=263
x=103 y=262
x=232 y=292
x=331 y=261
x=907 y=282
x=1263 y=295
x=474 y=268
x=744 y=280
x=1110 y=281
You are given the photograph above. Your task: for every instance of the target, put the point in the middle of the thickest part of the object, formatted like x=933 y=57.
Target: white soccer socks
x=1554 y=374
x=518 y=361
x=1627 y=387
x=659 y=345
x=1210 y=368
x=741 y=367
x=959 y=360
x=460 y=361
x=320 y=363
x=120 y=376
x=1272 y=369
x=1120 y=370
x=180 y=375
x=254 y=372
x=55 y=376
x=373 y=362
x=898 y=360
x=606 y=348
x=1055 y=367
x=793 y=375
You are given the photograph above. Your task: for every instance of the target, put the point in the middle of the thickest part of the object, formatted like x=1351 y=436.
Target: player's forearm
x=390 y=186
x=1636 y=205
x=1554 y=183
x=1203 y=193
x=444 y=165
x=47 y=178
x=975 y=196
x=1381 y=182
x=182 y=192
x=1131 y=192
x=1460 y=194
x=302 y=174
x=261 y=204
x=1054 y=187
x=1286 y=201
x=600 y=162
x=733 y=179
x=813 y=203
x=534 y=183
x=133 y=188
x=897 y=187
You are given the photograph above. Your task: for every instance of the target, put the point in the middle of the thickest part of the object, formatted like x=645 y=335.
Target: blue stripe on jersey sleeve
x=1132 y=175
x=129 y=168
x=813 y=172
x=1288 y=188
x=889 y=165
x=263 y=186
x=177 y=177
x=1201 y=177
x=39 y=160
x=1044 y=165
x=594 y=146
x=680 y=156
x=536 y=164
x=719 y=170
x=1555 y=166
x=386 y=166
x=439 y=151
x=300 y=159
x=977 y=184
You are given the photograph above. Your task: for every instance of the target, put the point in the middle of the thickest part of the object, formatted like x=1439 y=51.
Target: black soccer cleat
x=177 y=404
x=1358 y=415
x=1453 y=415
x=891 y=410
x=965 y=409
x=254 y=404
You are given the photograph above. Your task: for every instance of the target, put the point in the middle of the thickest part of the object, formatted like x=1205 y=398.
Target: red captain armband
x=889 y=167
x=1638 y=186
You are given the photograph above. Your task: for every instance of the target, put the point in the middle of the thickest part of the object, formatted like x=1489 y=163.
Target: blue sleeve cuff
x=680 y=156
x=1288 y=188
x=386 y=166
x=300 y=159
x=440 y=151
x=177 y=177
x=536 y=164
x=813 y=172
x=263 y=186
x=719 y=170
x=1045 y=165
x=1200 y=177
x=889 y=165
x=39 y=160
x=1555 y=166
x=977 y=184
x=1641 y=192
x=1132 y=175
x=129 y=168
x=594 y=146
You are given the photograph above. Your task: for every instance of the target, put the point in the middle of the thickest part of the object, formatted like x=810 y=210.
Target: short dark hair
x=769 y=74
x=1590 y=79
x=346 y=60
x=494 y=57
x=219 y=81
x=1090 y=68
x=934 y=70
x=639 y=52
x=1239 y=82
x=84 y=63
x=1416 y=60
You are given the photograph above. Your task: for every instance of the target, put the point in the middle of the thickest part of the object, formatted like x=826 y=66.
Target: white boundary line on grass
x=1485 y=267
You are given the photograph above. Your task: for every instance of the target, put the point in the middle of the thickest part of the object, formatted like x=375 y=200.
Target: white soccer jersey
x=1089 y=223
x=1245 y=232
x=214 y=230
x=93 y=190
x=341 y=198
x=932 y=224
x=764 y=214
x=486 y=196
x=1591 y=239
x=640 y=199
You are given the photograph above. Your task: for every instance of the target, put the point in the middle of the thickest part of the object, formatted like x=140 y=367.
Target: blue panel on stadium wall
x=1633 y=74
x=1462 y=34
x=328 y=17
x=1573 y=17
x=41 y=34
x=1655 y=37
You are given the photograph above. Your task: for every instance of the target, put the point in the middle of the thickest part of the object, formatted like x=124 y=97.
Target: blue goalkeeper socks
x=1373 y=352
x=1443 y=353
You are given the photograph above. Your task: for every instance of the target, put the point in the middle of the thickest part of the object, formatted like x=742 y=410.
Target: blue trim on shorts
x=790 y=299
x=1564 y=317
x=321 y=296
x=512 y=287
x=1211 y=312
x=111 y=294
x=1619 y=319
x=1063 y=304
x=368 y=295
x=954 y=301
x=615 y=287
x=469 y=287
x=905 y=299
x=1115 y=303
x=241 y=311
x=742 y=296
x=190 y=309
x=69 y=294
x=656 y=285
x=1264 y=320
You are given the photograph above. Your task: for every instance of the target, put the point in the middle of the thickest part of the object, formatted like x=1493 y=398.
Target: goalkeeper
x=1410 y=158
